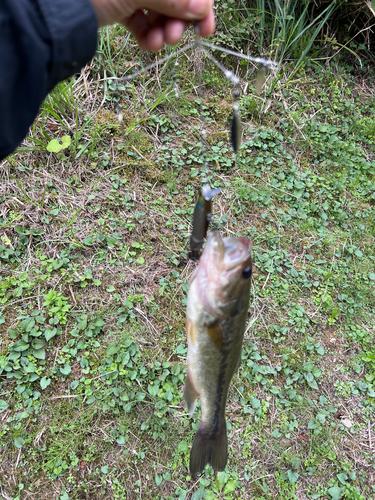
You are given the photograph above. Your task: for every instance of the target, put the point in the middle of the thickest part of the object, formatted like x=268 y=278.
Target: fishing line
x=205 y=169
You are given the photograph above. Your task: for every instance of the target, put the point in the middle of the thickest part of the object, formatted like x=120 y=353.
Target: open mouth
x=237 y=250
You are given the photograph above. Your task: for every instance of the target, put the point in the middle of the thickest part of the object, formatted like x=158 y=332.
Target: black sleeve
x=41 y=43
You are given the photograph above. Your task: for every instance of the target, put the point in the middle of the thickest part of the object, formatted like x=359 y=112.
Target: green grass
x=93 y=249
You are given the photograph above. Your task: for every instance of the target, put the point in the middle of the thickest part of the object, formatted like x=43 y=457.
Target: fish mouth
x=237 y=251
x=227 y=253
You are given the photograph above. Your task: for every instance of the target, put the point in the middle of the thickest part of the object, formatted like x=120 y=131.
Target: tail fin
x=209 y=448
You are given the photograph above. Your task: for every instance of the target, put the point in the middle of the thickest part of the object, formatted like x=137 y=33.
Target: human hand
x=164 y=22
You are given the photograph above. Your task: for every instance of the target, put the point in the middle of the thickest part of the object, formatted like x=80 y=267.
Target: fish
x=201 y=220
x=217 y=306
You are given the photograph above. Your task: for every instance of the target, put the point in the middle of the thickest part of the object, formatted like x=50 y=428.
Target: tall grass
x=281 y=29
x=284 y=31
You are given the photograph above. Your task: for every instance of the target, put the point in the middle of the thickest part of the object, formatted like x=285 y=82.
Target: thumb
x=112 y=11
x=187 y=10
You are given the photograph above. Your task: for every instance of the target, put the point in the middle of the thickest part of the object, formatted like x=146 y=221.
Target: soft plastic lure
x=201 y=220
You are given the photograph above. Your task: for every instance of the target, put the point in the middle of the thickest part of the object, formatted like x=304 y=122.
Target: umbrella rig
x=202 y=216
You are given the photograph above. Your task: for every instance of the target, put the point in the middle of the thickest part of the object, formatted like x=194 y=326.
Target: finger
x=207 y=25
x=188 y=10
x=174 y=30
x=147 y=29
x=153 y=30
x=155 y=18
x=155 y=39
x=139 y=27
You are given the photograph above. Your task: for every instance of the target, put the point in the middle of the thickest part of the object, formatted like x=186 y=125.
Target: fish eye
x=246 y=273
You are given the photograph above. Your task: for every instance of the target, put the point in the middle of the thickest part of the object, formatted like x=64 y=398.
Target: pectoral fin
x=190 y=331
x=190 y=395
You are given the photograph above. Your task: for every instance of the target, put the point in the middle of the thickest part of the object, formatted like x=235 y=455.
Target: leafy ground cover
x=95 y=219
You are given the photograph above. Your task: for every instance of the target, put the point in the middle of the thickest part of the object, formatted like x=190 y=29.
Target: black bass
x=217 y=308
